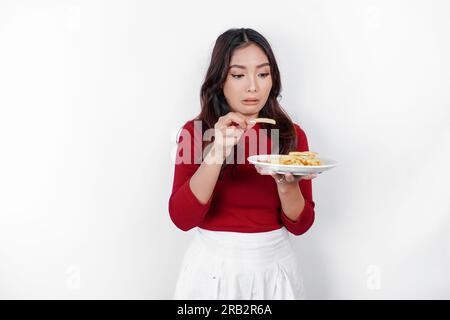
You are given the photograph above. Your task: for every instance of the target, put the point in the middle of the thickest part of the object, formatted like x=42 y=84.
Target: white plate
x=287 y=168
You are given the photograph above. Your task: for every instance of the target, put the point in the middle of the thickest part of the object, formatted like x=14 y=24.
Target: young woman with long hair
x=241 y=216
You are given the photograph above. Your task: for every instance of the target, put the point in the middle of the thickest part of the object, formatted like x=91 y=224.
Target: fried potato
x=305 y=158
x=263 y=120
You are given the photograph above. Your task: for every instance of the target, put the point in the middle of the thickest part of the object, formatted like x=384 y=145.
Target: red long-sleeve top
x=242 y=200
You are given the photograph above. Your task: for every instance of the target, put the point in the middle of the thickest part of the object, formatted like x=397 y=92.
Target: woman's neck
x=249 y=117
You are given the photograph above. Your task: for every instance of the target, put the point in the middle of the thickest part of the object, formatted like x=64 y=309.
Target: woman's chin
x=248 y=111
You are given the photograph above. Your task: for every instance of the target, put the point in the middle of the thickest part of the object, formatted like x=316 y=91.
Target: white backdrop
x=92 y=94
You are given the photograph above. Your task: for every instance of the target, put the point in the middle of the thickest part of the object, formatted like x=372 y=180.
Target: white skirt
x=235 y=265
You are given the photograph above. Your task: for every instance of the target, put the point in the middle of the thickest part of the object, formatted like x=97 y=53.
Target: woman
x=241 y=215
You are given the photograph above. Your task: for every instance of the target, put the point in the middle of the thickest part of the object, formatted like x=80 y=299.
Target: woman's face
x=248 y=78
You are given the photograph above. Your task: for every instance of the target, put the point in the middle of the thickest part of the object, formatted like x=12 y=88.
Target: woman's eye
x=264 y=74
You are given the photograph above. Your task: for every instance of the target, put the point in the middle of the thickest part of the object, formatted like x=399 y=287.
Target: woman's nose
x=252 y=86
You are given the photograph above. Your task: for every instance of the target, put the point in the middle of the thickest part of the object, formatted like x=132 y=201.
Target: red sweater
x=242 y=200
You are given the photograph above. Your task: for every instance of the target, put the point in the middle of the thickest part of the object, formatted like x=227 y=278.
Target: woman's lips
x=250 y=102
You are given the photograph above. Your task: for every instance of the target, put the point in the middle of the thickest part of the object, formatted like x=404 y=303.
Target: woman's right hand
x=228 y=130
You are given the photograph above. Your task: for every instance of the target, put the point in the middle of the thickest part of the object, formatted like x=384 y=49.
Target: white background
x=92 y=94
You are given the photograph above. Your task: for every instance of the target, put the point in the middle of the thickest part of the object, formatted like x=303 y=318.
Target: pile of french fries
x=297 y=158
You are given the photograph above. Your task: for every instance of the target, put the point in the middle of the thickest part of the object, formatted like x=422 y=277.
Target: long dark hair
x=213 y=103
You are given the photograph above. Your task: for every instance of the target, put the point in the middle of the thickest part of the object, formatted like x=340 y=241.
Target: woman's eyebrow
x=243 y=67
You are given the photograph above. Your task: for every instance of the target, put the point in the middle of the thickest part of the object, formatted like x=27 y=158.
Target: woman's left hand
x=287 y=178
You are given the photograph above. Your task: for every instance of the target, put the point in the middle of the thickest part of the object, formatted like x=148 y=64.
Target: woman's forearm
x=204 y=180
x=292 y=201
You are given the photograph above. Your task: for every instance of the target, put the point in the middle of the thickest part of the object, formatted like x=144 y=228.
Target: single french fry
x=303 y=153
x=263 y=120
